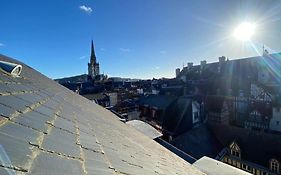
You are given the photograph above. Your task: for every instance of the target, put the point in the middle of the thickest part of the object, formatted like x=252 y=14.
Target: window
x=238 y=164
x=153 y=113
x=229 y=161
x=277 y=123
x=196 y=116
x=234 y=163
x=235 y=153
x=249 y=168
x=258 y=171
x=274 y=165
x=244 y=166
x=225 y=159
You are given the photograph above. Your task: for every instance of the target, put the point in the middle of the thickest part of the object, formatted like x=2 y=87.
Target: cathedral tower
x=93 y=66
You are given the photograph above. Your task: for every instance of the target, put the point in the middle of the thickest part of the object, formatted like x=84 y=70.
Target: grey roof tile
x=20 y=132
x=84 y=128
x=67 y=114
x=4 y=88
x=100 y=172
x=7 y=171
x=61 y=142
x=6 y=111
x=18 y=87
x=51 y=104
x=45 y=111
x=18 y=152
x=89 y=142
x=14 y=103
x=5 y=78
x=30 y=97
x=34 y=120
x=65 y=124
x=96 y=163
x=46 y=164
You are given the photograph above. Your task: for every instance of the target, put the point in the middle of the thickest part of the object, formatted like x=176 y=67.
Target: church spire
x=93 y=55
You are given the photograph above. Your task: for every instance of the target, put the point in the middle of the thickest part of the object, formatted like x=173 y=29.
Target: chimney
x=189 y=65
x=177 y=72
x=222 y=59
x=221 y=63
x=203 y=64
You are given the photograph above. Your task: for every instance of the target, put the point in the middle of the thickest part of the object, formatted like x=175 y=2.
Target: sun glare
x=244 y=31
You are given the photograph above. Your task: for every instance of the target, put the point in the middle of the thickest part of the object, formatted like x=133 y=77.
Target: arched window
x=274 y=165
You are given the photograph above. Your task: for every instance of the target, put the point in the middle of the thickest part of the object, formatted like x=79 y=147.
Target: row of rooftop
x=238 y=96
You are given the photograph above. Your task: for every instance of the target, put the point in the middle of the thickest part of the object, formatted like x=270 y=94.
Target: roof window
x=11 y=68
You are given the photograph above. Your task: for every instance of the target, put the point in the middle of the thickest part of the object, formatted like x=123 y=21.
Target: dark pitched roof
x=256 y=147
x=47 y=129
x=198 y=142
x=158 y=101
x=178 y=116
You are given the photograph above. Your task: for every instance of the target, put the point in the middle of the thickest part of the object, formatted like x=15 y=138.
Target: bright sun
x=244 y=31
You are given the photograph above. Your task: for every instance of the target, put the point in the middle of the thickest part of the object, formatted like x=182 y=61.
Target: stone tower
x=93 y=66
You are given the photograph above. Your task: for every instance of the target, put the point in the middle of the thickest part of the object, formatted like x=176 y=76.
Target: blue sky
x=133 y=38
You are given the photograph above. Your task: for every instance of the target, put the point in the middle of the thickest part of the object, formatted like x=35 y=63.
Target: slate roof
x=256 y=147
x=47 y=129
x=158 y=101
x=178 y=116
x=198 y=142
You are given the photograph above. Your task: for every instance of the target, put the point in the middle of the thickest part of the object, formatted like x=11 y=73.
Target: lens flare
x=244 y=31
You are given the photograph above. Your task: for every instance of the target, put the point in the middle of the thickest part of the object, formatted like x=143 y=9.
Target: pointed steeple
x=93 y=55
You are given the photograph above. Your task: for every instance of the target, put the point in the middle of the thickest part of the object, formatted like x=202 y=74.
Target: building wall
x=257 y=170
x=221 y=117
x=275 y=122
x=259 y=93
x=96 y=69
x=263 y=76
x=183 y=78
x=93 y=69
x=256 y=121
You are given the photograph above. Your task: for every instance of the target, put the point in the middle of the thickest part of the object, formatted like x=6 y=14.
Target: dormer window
x=274 y=165
x=235 y=150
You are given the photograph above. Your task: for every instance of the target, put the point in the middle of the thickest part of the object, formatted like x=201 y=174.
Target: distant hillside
x=74 y=79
